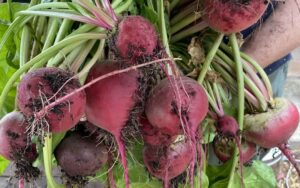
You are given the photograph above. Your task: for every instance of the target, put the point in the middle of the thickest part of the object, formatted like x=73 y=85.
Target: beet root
x=111 y=101
x=136 y=37
x=227 y=126
x=80 y=155
x=166 y=163
x=176 y=100
x=274 y=127
x=153 y=136
x=16 y=145
x=233 y=16
x=37 y=89
x=13 y=138
x=224 y=149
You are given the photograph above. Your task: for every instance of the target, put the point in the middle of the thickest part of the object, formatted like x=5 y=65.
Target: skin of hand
x=277 y=36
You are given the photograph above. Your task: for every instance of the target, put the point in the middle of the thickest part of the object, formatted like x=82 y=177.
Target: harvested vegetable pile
x=137 y=93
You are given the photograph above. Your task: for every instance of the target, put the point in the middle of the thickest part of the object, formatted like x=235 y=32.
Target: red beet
x=274 y=127
x=224 y=149
x=37 y=89
x=80 y=155
x=227 y=126
x=136 y=37
x=153 y=136
x=231 y=16
x=172 y=96
x=13 y=138
x=168 y=162
x=110 y=101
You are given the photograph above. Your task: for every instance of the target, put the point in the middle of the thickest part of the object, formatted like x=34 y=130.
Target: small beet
x=224 y=149
x=227 y=126
x=80 y=155
x=136 y=37
x=13 y=138
x=37 y=89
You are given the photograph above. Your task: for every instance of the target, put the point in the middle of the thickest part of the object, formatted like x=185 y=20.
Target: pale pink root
x=21 y=183
x=123 y=159
x=238 y=143
x=287 y=152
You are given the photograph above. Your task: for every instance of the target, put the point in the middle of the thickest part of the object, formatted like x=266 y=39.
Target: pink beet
x=37 y=89
x=136 y=37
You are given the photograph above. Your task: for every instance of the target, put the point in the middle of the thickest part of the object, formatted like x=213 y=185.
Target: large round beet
x=110 y=100
x=14 y=141
x=80 y=155
x=172 y=96
x=36 y=90
x=274 y=127
x=231 y=16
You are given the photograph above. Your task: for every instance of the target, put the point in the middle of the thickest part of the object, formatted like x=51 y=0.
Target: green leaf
x=3 y=164
x=258 y=175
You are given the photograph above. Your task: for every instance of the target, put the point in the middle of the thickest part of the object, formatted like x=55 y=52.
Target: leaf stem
x=241 y=100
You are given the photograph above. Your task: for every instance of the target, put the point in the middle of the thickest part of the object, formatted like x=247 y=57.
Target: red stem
x=123 y=159
x=21 y=182
x=287 y=152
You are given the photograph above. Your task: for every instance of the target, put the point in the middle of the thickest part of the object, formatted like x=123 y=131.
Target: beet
x=172 y=96
x=168 y=162
x=274 y=127
x=227 y=126
x=15 y=143
x=37 y=89
x=224 y=149
x=135 y=37
x=153 y=136
x=110 y=102
x=17 y=146
x=80 y=155
x=231 y=16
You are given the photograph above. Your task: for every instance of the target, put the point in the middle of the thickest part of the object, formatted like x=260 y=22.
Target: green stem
x=116 y=3
x=163 y=29
x=64 y=28
x=123 y=7
x=63 y=53
x=189 y=31
x=42 y=57
x=25 y=45
x=174 y=4
x=36 y=47
x=71 y=57
x=248 y=82
x=256 y=66
x=80 y=59
x=210 y=57
x=52 y=5
x=47 y=153
x=17 y=23
x=241 y=100
x=82 y=75
x=261 y=72
x=10 y=12
x=183 y=13
x=185 y=22
x=51 y=36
